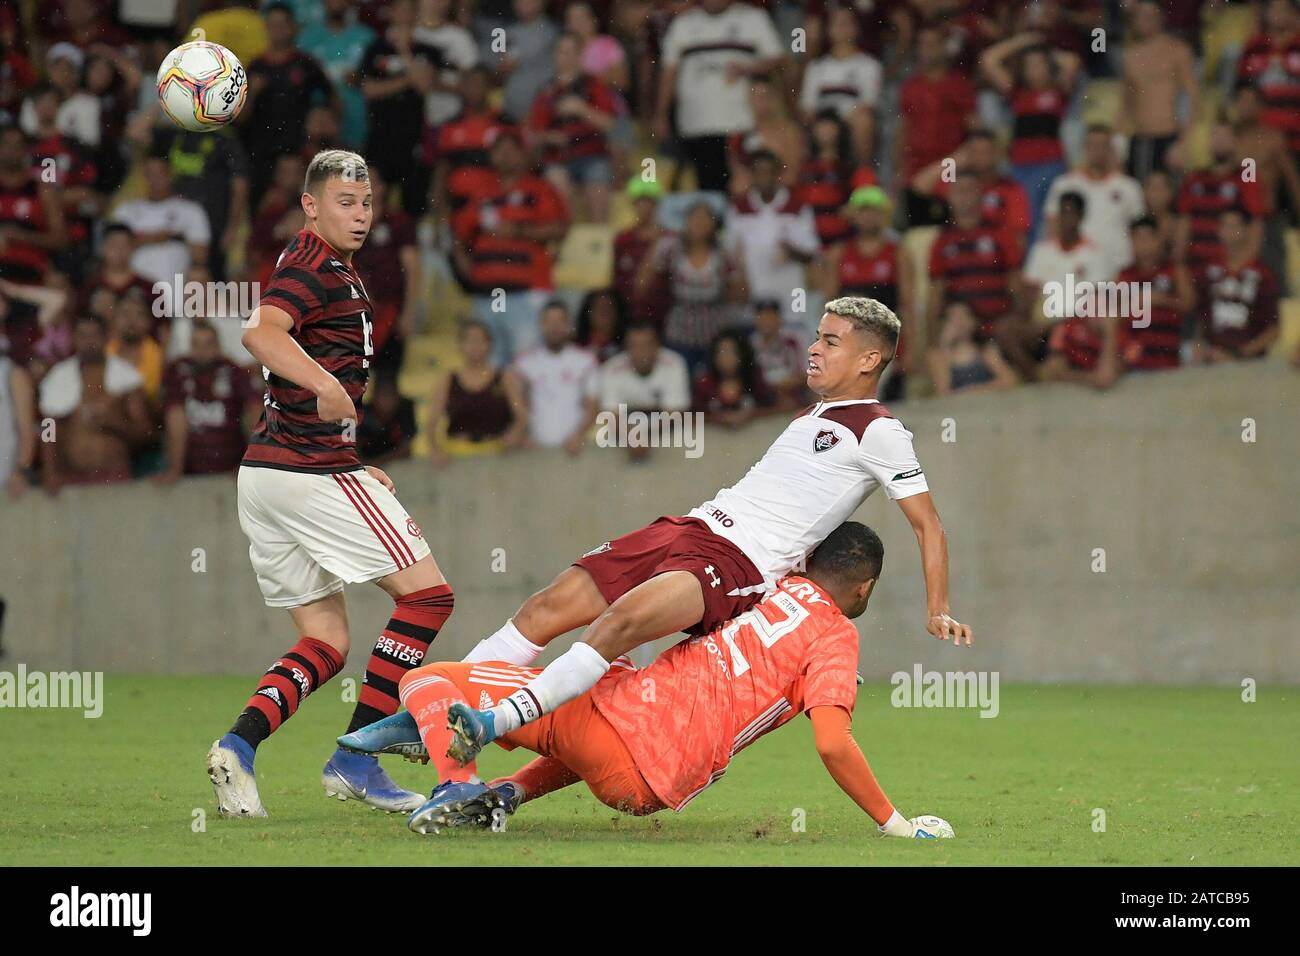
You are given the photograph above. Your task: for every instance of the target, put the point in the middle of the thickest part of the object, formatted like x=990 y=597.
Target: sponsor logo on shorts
x=906 y=474
x=413 y=529
x=600 y=550
x=825 y=440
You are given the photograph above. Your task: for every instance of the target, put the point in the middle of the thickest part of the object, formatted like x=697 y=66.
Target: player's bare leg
x=422 y=603
x=570 y=601
x=322 y=647
x=663 y=605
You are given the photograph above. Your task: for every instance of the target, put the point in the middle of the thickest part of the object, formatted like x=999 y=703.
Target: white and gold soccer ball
x=202 y=86
x=930 y=827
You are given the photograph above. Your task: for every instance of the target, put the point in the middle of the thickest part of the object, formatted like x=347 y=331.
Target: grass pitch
x=1184 y=776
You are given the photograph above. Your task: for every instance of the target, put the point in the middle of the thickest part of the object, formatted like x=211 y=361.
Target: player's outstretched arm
x=833 y=734
x=923 y=517
x=267 y=338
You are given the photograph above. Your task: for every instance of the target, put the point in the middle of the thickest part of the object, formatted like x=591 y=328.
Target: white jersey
x=812 y=478
x=702 y=45
x=559 y=385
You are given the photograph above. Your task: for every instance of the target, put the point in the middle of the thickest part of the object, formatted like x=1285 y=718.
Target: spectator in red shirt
x=210 y=406
x=731 y=391
x=936 y=107
x=1206 y=193
x=1271 y=62
x=1037 y=90
x=828 y=176
x=506 y=222
x=31 y=219
x=462 y=141
x=970 y=262
x=17 y=76
x=114 y=276
x=1085 y=351
x=570 y=121
x=1154 y=340
x=630 y=249
x=75 y=175
x=1238 y=299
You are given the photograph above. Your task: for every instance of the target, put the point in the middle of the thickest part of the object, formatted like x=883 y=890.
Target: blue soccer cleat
x=230 y=768
x=397 y=734
x=351 y=776
x=471 y=731
x=455 y=804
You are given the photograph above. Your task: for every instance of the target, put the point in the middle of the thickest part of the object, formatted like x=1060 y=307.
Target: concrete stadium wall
x=1201 y=533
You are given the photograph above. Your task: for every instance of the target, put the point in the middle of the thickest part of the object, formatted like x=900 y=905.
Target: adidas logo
x=273 y=693
x=484 y=701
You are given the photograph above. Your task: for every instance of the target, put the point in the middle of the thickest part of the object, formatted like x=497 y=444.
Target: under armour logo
x=714 y=580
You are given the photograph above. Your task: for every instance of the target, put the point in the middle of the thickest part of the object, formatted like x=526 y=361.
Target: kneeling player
x=646 y=740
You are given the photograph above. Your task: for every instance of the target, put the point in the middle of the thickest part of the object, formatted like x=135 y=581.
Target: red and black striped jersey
x=1272 y=64
x=1154 y=341
x=1036 y=133
x=332 y=321
x=1237 y=305
x=581 y=138
x=975 y=266
x=1204 y=196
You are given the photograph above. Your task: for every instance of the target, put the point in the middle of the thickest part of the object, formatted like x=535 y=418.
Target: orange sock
x=427 y=695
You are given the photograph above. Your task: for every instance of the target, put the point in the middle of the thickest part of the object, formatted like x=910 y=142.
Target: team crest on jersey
x=826 y=440
x=413 y=529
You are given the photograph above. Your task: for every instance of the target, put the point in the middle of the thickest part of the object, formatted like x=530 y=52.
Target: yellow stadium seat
x=586 y=259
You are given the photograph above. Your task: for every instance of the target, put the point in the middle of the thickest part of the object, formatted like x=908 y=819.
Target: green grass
x=1185 y=776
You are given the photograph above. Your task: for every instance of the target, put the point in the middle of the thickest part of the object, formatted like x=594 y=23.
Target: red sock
x=427 y=695
x=306 y=666
x=540 y=777
x=417 y=618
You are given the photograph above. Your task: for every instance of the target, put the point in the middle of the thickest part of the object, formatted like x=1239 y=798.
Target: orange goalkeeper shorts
x=577 y=734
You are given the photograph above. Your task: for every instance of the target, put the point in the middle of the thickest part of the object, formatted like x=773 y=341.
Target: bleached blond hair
x=869 y=315
x=331 y=163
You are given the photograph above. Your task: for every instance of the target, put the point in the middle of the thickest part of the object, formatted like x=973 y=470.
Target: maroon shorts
x=729 y=580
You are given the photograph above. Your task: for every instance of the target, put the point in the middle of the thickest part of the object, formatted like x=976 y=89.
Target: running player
x=796 y=652
x=314 y=516
x=693 y=573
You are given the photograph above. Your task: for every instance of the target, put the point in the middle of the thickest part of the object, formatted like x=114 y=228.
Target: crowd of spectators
x=744 y=162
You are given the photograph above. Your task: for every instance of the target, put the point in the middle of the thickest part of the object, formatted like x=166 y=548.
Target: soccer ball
x=201 y=86
x=929 y=827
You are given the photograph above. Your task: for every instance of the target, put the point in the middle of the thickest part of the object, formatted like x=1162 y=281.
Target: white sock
x=508 y=645
x=570 y=675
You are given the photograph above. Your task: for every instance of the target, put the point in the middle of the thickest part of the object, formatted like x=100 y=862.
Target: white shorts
x=308 y=534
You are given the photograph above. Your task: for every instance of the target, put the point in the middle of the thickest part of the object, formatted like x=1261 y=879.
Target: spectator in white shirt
x=78 y=110
x=561 y=380
x=1113 y=200
x=171 y=233
x=845 y=80
x=1069 y=255
x=708 y=51
x=775 y=235
x=645 y=376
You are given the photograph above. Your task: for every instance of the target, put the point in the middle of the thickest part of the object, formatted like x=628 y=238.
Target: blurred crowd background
x=581 y=206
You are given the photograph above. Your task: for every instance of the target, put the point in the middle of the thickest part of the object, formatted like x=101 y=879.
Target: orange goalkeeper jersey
x=707 y=698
